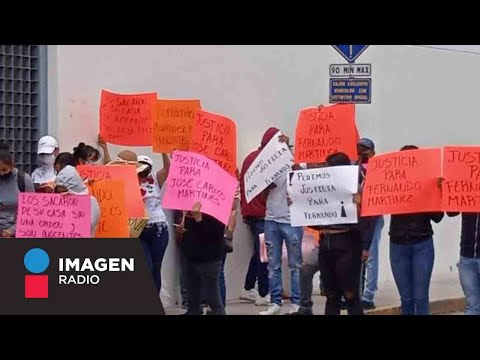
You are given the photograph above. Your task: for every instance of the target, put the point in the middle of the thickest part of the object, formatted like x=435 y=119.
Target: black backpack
x=21 y=181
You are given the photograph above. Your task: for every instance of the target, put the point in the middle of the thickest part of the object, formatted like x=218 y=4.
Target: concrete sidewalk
x=446 y=296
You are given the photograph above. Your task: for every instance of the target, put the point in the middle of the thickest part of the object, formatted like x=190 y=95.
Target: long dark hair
x=83 y=152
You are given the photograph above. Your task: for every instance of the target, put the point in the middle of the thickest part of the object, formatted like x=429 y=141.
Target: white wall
x=421 y=96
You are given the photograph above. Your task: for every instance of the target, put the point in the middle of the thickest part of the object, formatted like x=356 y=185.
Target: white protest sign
x=323 y=196
x=273 y=161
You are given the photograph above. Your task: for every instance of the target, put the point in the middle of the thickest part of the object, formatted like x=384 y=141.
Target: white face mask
x=46 y=160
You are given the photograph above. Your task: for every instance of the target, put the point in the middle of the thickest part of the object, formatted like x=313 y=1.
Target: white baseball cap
x=145 y=160
x=47 y=145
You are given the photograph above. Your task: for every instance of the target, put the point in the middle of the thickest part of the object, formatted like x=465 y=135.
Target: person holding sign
x=253 y=214
x=44 y=176
x=342 y=249
x=412 y=255
x=69 y=181
x=278 y=229
x=204 y=250
x=12 y=183
x=469 y=263
x=154 y=237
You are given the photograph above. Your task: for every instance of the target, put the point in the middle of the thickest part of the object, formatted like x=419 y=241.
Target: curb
x=446 y=306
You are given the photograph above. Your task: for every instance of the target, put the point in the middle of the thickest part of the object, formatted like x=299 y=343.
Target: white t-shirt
x=152 y=199
x=42 y=175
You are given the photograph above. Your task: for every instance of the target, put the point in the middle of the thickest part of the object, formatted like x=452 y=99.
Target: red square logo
x=36 y=286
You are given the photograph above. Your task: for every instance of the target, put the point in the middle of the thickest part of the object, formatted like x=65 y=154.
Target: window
x=23 y=100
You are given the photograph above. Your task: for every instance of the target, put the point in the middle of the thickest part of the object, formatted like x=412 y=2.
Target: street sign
x=350 y=52
x=350 y=70
x=349 y=90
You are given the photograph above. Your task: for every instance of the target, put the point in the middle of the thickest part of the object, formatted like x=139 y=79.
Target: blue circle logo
x=36 y=260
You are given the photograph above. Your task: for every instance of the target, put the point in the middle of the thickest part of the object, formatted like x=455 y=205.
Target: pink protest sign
x=195 y=178
x=42 y=215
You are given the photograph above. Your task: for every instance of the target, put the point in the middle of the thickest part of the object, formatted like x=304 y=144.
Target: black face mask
x=6 y=176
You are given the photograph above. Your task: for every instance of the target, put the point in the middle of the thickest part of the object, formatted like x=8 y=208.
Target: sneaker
x=249 y=295
x=368 y=305
x=272 y=310
x=294 y=308
x=263 y=301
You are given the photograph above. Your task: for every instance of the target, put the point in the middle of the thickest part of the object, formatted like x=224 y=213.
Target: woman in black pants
x=204 y=249
x=342 y=248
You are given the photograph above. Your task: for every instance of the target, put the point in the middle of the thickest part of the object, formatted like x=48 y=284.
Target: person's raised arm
x=106 y=155
x=162 y=175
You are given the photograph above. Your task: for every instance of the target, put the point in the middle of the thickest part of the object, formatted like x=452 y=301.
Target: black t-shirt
x=203 y=241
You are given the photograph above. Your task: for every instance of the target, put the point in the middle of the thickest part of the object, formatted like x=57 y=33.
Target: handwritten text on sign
x=124 y=173
x=324 y=131
x=274 y=160
x=195 y=178
x=215 y=136
x=323 y=196
x=173 y=124
x=461 y=187
x=113 y=213
x=53 y=216
x=402 y=182
x=127 y=119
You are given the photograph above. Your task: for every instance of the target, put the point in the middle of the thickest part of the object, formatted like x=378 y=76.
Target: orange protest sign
x=324 y=131
x=127 y=119
x=461 y=171
x=124 y=173
x=173 y=123
x=215 y=136
x=113 y=221
x=402 y=182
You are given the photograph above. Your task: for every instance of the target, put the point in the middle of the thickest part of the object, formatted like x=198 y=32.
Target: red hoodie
x=257 y=207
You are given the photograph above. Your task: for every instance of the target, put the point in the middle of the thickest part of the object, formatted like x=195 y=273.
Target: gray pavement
x=441 y=288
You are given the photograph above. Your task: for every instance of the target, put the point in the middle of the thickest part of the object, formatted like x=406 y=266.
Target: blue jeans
x=469 y=271
x=154 y=239
x=412 y=267
x=371 y=266
x=257 y=271
x=275 y=233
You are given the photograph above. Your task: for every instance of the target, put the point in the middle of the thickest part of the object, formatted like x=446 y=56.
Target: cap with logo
x=47 y=145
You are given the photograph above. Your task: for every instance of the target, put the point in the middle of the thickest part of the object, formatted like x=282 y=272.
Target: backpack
x=21 y=181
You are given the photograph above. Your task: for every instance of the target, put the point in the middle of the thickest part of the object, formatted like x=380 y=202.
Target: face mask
x=47 y=159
